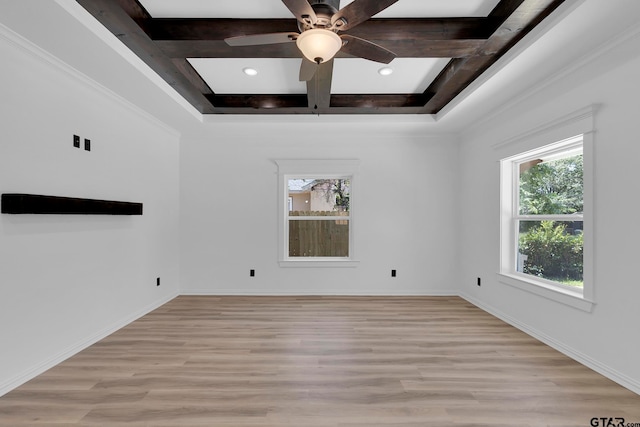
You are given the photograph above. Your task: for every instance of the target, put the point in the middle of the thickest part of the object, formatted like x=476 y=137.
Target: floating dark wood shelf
x=13 y=203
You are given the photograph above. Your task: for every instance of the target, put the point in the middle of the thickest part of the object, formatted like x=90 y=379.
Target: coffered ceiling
x=441 y=47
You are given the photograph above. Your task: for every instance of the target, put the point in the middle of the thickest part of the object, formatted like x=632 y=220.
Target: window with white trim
x=316 y=212
x=318 y=221
x=543 y=218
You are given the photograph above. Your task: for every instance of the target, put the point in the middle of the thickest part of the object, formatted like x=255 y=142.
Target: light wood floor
x=318 y=362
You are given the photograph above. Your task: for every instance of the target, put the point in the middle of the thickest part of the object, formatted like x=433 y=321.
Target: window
x=318 y=221
x=543 y=220
x=548 y=214
x=316 y=212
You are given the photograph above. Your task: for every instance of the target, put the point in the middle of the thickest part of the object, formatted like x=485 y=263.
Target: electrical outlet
x=158 y=281
x=479 y=282
x=76 y=141
x=393 y=273
x=252 y=273
x=87 y=144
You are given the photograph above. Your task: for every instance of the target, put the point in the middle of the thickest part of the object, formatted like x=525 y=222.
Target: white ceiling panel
x=350 y=75
x=276 y=9
x=216 y=9
x=435 y=8
x=275 y=75
x=410 y=75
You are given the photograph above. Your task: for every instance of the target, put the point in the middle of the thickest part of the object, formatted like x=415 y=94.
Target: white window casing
x=572 y=133
x=315 y=169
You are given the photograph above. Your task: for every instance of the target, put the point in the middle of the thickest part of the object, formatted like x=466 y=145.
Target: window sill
x=566 y=297
x=320 y=263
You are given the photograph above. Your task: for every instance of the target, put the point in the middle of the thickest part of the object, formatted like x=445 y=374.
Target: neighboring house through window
x=319 y=222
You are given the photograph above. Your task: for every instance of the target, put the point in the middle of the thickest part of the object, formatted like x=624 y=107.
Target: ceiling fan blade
x=302 y=10
x=365 y=49
x=359 y=11
x=307 y=70
x=319 y=88
x=258 y=39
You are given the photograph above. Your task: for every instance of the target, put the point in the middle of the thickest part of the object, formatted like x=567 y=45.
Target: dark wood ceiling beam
x=114 y=15
x=362 y=103
x=407 y=38
x=372 y=110
x=518 y=17
x=431 y=29
x=219 y=49
x=319 y=112
x=262 y=111
x=519 y=24
x=215 y=28
x=378 y=29
x=377 y=102
x=474 y=44
x=192 y=75
x=135 y=10
x=503 y=10
x=258 y=102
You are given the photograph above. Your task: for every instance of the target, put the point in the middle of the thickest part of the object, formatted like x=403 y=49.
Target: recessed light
x=250 y=71
x=385 y=71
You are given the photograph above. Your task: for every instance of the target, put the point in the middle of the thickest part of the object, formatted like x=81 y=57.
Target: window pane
x=551 y=186
x=319 y=195
x=319 y=238
x=551 y=250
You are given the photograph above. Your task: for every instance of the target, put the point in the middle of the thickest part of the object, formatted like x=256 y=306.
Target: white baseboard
x=49 y=363
x=576 y=355
x=398 y=293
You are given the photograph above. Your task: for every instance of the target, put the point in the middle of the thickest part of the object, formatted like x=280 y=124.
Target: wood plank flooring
x=318 y=362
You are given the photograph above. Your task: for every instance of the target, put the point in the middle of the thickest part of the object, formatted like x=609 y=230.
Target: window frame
x=511 y=256
x=564 y=134
x=315 y=169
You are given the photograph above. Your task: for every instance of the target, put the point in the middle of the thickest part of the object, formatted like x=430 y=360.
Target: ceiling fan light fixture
x=319 y=45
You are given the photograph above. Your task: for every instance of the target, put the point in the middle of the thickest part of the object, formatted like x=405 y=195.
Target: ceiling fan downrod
x=324 y=11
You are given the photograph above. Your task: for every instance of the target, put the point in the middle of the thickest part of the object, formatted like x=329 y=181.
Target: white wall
x=606 y=339
x=66 y=281
x=406 y=196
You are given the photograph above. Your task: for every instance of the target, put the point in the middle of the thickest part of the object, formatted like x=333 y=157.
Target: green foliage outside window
x=553 y=187
x=338 y=191
x=553 y=252
x=553 y=249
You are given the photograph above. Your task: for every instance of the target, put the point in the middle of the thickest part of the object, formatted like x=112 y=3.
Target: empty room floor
x=318 y=362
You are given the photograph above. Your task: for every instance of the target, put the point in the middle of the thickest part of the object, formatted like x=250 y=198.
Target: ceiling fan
x=319 y=22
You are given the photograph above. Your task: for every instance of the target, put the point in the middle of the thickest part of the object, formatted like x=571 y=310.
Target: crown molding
x=85 y=18
x=592 y=57
x=577 y=122
x=19 y=42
